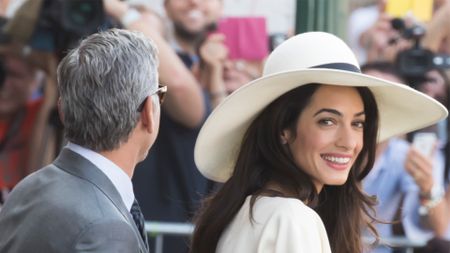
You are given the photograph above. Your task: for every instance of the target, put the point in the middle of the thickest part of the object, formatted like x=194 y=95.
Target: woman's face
x=329 y=135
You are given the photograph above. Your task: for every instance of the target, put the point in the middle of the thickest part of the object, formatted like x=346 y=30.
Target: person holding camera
x=378 y=35
x=370 y=32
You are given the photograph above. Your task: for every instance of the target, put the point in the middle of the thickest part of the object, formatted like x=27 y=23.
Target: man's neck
x=121 y=157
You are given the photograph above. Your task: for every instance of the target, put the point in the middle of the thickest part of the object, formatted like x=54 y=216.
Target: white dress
x=280 y=225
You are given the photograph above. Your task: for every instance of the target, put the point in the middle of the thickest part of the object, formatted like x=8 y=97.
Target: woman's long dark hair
x=262 y=158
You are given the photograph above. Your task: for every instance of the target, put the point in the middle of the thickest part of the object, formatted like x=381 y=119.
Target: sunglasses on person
x=161 y=92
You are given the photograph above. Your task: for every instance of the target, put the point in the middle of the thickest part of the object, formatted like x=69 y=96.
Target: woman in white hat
x=292 y=147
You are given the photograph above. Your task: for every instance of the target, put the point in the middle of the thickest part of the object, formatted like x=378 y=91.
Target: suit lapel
x=79 y=166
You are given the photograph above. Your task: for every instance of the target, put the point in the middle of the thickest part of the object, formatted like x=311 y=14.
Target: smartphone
x=424 y=142
x=245 y=37
x=422 y=10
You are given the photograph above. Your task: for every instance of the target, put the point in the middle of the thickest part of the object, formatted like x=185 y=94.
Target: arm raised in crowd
x=184 y=102
x=421 y=169
x=213 y=54
x=437 y=37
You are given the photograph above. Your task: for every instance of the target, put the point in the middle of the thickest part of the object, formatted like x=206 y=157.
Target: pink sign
x=245 y=37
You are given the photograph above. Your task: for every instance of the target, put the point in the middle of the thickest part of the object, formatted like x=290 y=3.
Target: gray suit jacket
x=68 y=206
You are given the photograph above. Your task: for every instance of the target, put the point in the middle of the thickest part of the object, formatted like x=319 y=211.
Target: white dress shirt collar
x=116 y=175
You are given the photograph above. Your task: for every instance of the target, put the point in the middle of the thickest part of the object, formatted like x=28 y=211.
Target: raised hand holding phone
x=425 y=142
x=419 y=161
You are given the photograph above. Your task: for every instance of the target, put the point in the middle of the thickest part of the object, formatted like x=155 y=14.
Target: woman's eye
x=326 y=122
x=359 y=124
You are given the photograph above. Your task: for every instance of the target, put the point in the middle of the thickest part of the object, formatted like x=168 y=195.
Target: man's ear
x=148 y=115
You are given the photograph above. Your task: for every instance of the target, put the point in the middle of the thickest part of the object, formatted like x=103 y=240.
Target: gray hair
x=102 y=82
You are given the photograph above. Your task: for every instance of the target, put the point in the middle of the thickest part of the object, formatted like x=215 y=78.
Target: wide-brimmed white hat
x=313 y=57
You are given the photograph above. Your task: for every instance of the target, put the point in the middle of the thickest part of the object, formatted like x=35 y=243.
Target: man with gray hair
x=84 y=201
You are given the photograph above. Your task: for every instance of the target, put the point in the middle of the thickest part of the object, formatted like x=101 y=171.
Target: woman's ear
x=285 y=136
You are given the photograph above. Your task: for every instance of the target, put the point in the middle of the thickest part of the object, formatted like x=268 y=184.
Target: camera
x=61 y=23
x=415 y=62
x=56 y=25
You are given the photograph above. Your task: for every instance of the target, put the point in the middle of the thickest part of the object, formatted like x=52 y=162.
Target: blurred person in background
x=185 y=102
x=28 y=95
x=389 y=180
x=360 y=20
x=375 y=38
x=19 y=107
x=432 y=214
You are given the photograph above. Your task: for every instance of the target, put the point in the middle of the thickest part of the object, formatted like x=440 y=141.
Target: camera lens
x=414 y=62
x=398 y=24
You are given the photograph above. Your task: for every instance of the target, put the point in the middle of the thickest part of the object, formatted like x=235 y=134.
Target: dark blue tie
x=138 y=218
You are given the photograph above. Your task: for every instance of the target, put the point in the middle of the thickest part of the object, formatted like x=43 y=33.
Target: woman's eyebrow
x=333 y=111
x=336 y=112
x=360 y=113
